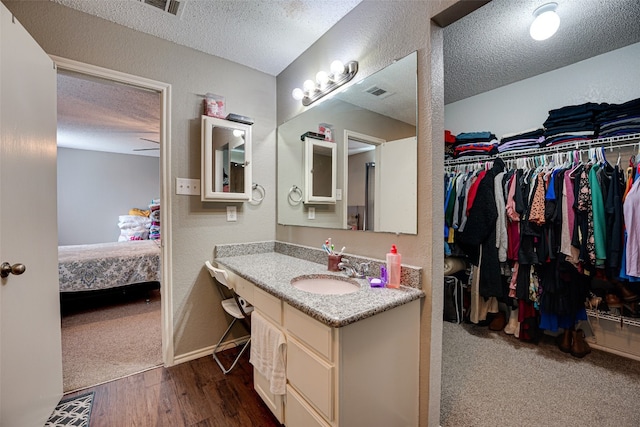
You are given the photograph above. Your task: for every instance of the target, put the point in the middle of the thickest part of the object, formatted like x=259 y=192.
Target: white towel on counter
x=268 y=352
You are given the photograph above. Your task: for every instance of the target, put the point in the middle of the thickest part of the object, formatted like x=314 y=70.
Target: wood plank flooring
x=194 y=393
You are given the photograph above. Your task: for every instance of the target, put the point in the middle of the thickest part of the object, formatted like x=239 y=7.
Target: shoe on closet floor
x=627 y=295
x=565 y=341
x=513 y=323
x=631 y=310
x=593 y=301
x=613 y=301
x=579 y=348
x=499 y=321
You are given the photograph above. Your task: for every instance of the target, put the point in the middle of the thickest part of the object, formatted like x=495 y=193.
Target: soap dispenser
x=393 y=268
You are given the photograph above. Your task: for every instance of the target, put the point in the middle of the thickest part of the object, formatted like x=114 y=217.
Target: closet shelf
x=610 y=142
x=606 y=316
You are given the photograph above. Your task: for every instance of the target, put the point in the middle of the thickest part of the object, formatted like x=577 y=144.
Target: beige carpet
x=106 y=343
x=492 y=379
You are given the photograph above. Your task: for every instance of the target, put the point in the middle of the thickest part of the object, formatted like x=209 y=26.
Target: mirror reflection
x=226 y=158
x=373 y=127
x=320 y=171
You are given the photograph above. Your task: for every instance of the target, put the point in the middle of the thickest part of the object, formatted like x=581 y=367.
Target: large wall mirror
x=373 y=126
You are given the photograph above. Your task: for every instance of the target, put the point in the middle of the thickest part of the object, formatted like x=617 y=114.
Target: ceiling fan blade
x=150 y=140
x=145 y=149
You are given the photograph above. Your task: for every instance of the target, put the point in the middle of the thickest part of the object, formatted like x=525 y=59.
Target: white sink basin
x=325 y=284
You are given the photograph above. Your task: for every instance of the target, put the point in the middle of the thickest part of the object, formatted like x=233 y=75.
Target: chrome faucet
x=353 y=269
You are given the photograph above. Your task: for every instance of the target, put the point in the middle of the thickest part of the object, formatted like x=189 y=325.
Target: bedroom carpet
x=492 y=379
x=109 y=342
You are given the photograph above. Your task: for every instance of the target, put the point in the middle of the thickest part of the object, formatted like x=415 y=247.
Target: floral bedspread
x=108 y=265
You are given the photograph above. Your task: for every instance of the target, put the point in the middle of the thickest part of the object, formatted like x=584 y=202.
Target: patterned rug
x=74 y=411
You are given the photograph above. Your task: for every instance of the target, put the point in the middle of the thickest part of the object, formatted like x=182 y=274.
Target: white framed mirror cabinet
x=226 y=160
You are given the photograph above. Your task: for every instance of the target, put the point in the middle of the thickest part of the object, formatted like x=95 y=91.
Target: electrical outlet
x=232 y=213
x=312 y=213
x=189 y=187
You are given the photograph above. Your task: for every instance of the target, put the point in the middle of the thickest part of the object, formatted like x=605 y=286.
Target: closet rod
x=610 y=142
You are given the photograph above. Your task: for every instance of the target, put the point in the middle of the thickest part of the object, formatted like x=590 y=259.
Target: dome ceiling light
x=546 y=22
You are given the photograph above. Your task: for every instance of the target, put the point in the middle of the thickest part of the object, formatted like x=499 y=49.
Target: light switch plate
x=312 y=213
x=232 y=213
x=189 y=187
x=338 y=193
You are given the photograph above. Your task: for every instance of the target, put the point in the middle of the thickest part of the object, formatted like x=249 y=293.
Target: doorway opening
x=113 y=145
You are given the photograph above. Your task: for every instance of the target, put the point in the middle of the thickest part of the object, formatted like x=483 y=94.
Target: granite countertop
x=273 y=271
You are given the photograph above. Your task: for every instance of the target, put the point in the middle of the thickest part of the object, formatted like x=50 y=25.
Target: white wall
x=95 y=187
x=612 y=77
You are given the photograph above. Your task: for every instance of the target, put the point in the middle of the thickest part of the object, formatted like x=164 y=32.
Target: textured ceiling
x=101 y=115
x=485 y=50
x=491 y=47
x=266 y=35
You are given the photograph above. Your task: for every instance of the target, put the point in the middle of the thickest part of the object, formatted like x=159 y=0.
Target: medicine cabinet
x=320 y=171
x=226 y=160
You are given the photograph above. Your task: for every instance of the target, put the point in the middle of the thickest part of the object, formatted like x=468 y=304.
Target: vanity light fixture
x=546 y=22
x=325 y=83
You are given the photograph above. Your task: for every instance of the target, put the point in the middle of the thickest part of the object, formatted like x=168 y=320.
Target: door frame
x=357 y=136
x=164 y=89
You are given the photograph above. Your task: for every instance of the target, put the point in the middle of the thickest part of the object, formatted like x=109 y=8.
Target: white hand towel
x=268 y=352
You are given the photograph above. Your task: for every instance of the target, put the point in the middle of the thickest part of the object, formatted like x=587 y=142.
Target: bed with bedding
x=108 y=265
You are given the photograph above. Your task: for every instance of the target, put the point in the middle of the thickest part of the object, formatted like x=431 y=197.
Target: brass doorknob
x=6 y=269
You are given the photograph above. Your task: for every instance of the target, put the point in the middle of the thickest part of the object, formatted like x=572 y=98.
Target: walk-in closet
x=541 y=236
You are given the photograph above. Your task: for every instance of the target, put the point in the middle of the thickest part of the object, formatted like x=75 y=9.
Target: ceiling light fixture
x=546 y=22
x=325 y=83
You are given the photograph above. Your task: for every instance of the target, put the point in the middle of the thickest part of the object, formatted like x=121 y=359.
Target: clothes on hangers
x=554 y=223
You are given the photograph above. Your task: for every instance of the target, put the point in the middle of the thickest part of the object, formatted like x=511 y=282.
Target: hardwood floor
x=194 y=393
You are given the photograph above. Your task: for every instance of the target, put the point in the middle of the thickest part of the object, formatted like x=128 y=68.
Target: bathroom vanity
x=352 y=359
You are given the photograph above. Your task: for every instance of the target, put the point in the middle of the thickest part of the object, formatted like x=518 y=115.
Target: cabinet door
x=311 y=376
x=268 y=305
x=316 y=335
x=226 y=160
x=273 y=401
x=320 y=171
x=299 y=414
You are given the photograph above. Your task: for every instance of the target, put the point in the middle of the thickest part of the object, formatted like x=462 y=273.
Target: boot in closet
x=513 y=324
x=579 y=348
x=567 y=340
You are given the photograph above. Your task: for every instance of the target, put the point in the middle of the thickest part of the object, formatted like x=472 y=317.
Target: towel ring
x=257 y=188
x=293 y=191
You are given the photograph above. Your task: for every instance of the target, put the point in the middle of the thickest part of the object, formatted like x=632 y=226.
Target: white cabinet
x=360 y=375
x=226 y=161
x=320 y=169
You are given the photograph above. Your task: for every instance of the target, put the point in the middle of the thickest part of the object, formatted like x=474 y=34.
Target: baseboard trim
x=208 y=351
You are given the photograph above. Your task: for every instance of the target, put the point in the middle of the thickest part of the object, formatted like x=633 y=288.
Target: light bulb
x=238 y=133
x=297 y=94
x=309 y=86
x=322 y=78
x=546 y=22
x=337 y=68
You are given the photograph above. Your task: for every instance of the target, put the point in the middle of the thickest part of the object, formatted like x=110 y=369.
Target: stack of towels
x=154 y=216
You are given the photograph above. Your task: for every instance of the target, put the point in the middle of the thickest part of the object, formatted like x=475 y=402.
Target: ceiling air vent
x=173 y=7
x=378 y=92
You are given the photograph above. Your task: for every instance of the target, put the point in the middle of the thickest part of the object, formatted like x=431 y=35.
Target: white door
x=30 y=346
x=396 y=208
